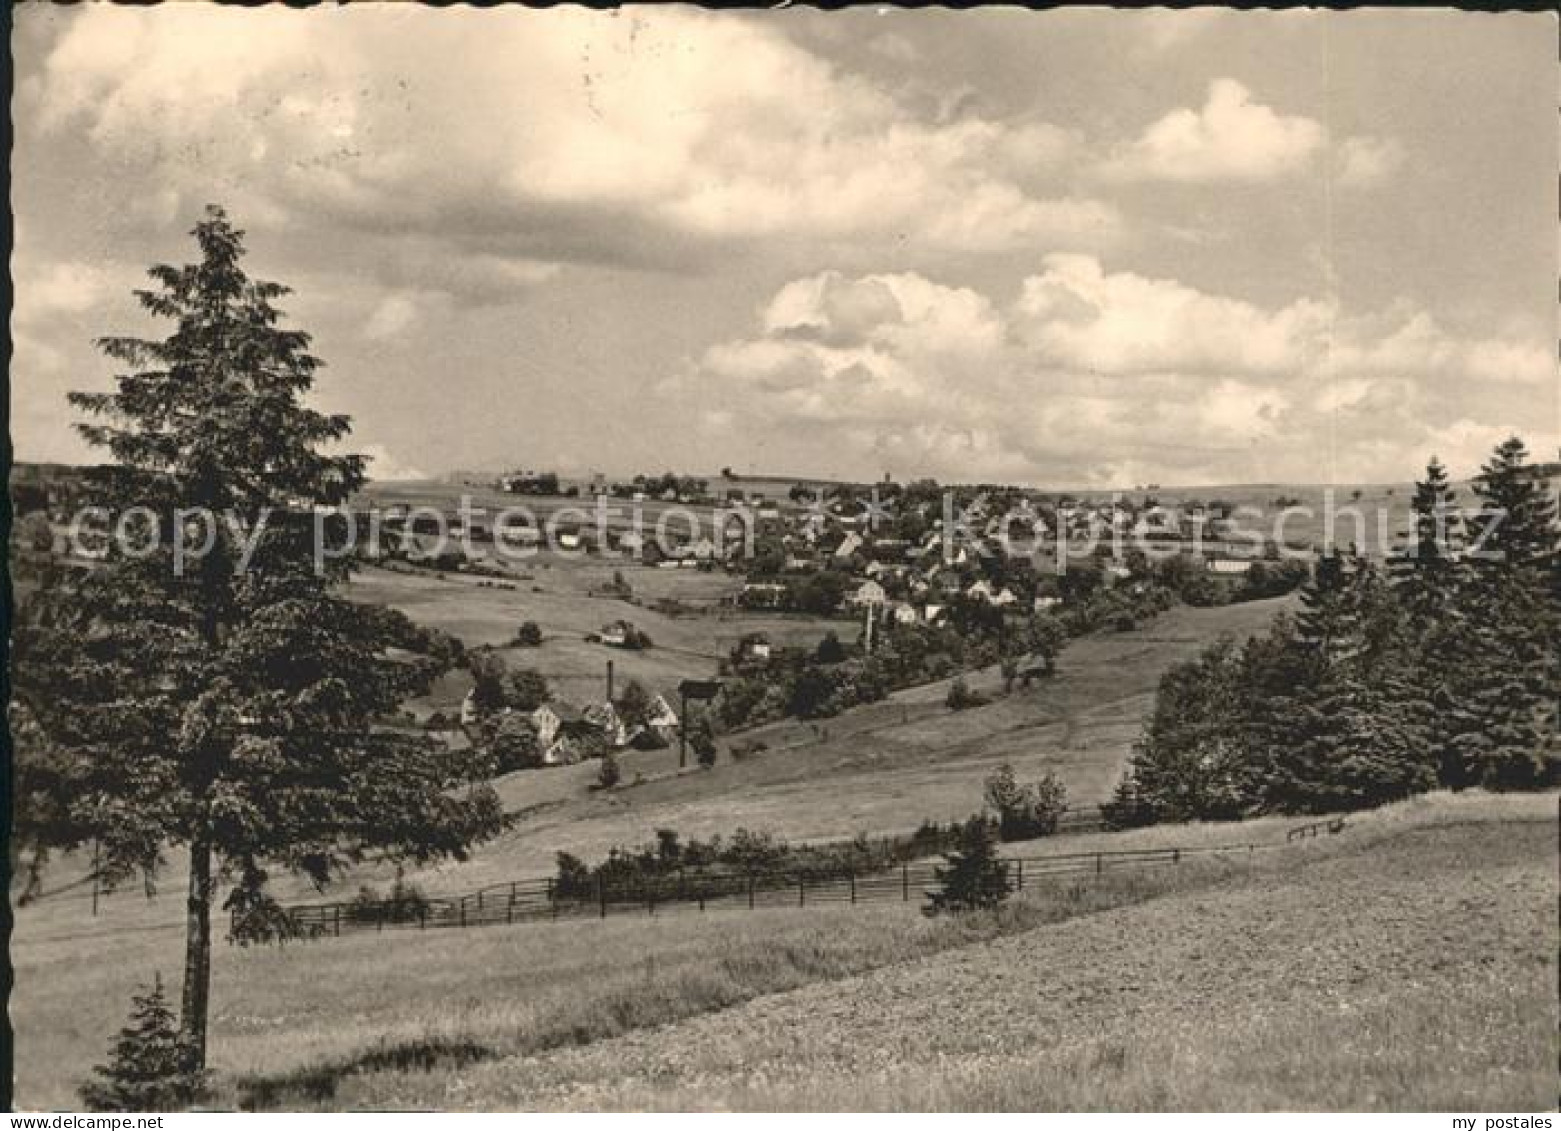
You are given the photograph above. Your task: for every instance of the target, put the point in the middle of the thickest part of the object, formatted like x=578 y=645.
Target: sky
x=1071 y=248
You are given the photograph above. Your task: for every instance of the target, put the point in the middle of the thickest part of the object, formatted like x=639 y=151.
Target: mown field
x=560 y=595
x=878 y=769
x=1407 y=963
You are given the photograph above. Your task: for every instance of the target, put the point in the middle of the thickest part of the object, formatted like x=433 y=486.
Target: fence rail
x=1316 y=828
x=540 y=900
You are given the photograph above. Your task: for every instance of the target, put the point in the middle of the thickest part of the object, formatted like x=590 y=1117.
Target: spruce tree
x=149 y=1068
x=1508 y=675
x=229 y=702
x=1427 y=570
x=972 y=876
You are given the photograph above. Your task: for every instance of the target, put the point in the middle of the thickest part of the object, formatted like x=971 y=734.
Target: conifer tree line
x=1439 y=667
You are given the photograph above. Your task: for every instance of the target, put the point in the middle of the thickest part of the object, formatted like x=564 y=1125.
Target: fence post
x=552 y=898
x=463 y=911
x=337 y=910
x=802 y=889
x=422 y=918
x=750 y=891
x=601 y=894
x=905 y=883
x=1020 y=876
x=1176 y=856
x=851 y=876
x=1100 y=862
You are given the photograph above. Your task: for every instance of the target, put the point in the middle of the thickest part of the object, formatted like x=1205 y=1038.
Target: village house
x=605 y=718
x=755 y=646
x=868 y=593
x=616 y=634
x=1229 y=565
x=849 y=545
x=984 y=590
x=762 y=595
x=559 y=726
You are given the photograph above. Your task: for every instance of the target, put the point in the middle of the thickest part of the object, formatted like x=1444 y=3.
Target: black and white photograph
x=665 y=558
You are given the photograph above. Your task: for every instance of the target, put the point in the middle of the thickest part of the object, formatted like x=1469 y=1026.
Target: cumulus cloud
x=393 y=316
x=1367 y=161
x=1079 y=316
x=1090 y=375
x=383 y=467
x=564 y=135
x=1232 y=137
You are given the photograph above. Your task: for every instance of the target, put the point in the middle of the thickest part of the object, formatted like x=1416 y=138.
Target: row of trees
x=648 y=868
x=1439 y=668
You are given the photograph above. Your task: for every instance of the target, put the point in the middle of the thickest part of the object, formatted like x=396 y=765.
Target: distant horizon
x=714 y=478
x=1077 y=246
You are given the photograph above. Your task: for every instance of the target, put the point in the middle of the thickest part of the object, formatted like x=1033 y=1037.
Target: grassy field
x=1410 y=965
x=1406 y=963
x=558 y=594
x=879 y=769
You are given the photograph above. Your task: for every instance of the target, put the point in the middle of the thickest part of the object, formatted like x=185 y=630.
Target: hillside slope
x=1409 y=967
x=881 y=768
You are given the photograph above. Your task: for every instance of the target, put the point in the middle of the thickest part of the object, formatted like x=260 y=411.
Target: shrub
x=961 y=697
x=1025 y=811
x=830 y=650
x=972 y=877
x=148 y=1068
x=703 y=742
x=529 y=634
x=609 y=774
x=515 y=744
x=406 y=903
x=1127 y=809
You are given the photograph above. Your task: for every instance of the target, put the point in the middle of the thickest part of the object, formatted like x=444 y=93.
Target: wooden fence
x=715 y=889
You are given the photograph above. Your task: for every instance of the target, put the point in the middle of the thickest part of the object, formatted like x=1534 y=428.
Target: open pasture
x=1433 y=917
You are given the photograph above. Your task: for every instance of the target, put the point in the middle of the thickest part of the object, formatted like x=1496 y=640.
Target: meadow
x=877 y=769
x=1407 y=962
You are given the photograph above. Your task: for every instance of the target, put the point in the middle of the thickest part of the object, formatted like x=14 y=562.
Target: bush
x=961 y=698
x=528 y=635
x=703 y=742
x=406 y=903
x=609 y=774
x=830 y=650
x=1128 y=808
x=515 y=745
x=148 y=1069
x=972 y=877
x=1025 y=811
